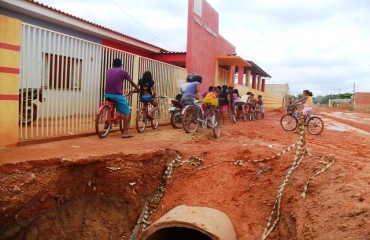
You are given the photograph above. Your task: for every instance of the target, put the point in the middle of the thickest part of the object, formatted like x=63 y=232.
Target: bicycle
x=107 y=117
x=142 y=117
x=193 y=116
x=313 y=122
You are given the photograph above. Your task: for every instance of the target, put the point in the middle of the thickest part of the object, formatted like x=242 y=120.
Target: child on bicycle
x=237 y=103
x=210 y=99
x=261 y=106
x=147 y=90
x=308 y=103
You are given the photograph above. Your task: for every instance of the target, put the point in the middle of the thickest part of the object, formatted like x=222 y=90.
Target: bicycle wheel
x=217 y=126
x=315 y=125
x=155 y=121
x=190 y=119
x=176 y=119
x=288 y=122
x=102 y=126
x=140 y=120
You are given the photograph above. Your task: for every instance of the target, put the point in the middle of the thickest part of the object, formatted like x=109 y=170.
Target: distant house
x=361 y=100
x=340 y=103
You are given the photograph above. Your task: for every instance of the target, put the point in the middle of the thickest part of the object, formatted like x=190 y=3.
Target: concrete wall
x=280 y=90
x=270 y=101
x=277 y=89
x=10 y=38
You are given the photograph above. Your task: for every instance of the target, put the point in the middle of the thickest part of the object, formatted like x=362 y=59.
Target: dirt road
x=337 y=202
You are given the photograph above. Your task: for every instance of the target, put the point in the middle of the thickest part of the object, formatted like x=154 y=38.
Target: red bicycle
x=142 y=117
x=107 y=117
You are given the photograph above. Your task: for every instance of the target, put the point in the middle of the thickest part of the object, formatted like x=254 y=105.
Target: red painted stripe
x=9 y=70
x=9 y=97
x=10 y=46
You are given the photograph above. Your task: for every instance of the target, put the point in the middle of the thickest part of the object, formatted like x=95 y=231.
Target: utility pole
x=354 y=87
x=353 y=105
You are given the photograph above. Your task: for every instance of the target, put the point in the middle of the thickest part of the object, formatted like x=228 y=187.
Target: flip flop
x=128 y=136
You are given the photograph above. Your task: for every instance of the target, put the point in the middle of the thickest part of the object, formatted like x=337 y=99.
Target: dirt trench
x=84 y=197
x=94 y=198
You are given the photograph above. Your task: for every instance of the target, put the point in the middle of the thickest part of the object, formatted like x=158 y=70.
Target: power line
x=146 y=29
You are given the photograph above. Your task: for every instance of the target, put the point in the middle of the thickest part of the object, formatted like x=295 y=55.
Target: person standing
x=115 y=79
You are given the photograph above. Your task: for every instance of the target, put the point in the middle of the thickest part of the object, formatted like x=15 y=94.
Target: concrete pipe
x=198 y=223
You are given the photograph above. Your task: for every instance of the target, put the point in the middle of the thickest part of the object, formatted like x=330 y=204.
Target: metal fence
x=62 y=81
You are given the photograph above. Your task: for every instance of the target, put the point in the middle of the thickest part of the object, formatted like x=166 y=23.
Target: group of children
x=226 y=97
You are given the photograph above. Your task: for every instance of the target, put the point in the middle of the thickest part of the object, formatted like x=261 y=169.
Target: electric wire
x=139 y=23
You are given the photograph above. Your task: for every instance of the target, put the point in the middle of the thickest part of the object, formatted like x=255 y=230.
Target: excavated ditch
x=95 y=198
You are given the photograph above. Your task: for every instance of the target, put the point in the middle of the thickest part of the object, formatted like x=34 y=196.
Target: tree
x=325 y=99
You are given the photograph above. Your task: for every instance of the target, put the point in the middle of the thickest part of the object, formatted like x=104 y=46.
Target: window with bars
x=62 y=72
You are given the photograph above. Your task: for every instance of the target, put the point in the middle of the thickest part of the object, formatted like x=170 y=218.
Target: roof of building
x=257 y=70
x=172 y=52
x=114 y=35
x=232 y=60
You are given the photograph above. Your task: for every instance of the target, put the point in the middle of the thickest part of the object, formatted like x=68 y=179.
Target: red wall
x=362 y=100
x=202 y=46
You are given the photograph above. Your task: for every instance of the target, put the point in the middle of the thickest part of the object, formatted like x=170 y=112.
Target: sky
x=319 y=45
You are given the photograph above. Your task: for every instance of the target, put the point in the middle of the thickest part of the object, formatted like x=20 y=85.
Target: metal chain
x=150 y=208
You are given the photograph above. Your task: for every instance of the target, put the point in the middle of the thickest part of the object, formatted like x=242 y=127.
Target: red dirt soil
x=337 y=202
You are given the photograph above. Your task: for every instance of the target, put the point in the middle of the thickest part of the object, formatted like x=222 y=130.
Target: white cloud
x=311 y=44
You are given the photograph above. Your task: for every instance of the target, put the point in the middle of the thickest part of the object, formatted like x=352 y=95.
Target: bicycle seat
x=109 y=100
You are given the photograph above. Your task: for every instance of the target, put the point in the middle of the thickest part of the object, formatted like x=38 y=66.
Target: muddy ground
x=90 y=188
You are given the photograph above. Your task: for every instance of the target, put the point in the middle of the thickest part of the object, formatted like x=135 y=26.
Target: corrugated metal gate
x=63 y=77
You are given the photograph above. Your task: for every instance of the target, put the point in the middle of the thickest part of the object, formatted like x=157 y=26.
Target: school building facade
x=65 y=58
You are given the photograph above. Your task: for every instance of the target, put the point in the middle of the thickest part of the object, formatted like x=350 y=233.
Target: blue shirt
x=190 y=89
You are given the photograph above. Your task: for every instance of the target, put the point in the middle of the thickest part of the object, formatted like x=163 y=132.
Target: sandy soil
x=337 y=202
